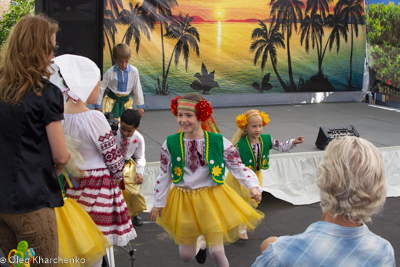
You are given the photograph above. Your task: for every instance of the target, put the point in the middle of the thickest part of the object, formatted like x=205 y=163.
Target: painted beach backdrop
x=232 y=47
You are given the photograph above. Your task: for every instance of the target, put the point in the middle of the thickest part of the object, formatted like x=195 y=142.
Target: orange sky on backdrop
x=222 y=10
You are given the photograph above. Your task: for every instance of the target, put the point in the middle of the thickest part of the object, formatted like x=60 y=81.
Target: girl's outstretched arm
x=298 y=140
x=286 y=146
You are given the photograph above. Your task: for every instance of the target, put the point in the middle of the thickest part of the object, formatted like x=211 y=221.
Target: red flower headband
x=203 y=108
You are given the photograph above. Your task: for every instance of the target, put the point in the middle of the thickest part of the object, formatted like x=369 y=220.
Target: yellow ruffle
x=108 y=104
x=214 y=212
x=241 y=190
x=134 y=200
x=78 y=235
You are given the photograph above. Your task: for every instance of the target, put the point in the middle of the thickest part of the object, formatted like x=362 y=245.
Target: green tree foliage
x=17 y=9
x=383 y=22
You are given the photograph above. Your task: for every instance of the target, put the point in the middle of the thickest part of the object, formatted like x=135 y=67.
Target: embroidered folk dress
x=98 y=193
x=197 y=205
x=256 y=148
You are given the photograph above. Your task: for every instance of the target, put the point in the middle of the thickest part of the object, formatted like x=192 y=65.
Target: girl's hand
x=298 y=140
x=154 y=212
x=255 y=194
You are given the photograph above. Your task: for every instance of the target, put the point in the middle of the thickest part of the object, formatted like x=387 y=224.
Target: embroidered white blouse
x=97 y=143
x=110 y=81
x=196 y=171
x=135 y=146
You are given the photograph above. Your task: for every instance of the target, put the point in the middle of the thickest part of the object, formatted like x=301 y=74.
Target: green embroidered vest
x=214 y=155
x=247 y=154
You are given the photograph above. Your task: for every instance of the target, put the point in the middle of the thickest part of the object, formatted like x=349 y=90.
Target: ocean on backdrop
x=222 y=32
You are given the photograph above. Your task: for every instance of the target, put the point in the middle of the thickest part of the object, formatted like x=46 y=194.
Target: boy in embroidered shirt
x=121 y=79
x=131 y=144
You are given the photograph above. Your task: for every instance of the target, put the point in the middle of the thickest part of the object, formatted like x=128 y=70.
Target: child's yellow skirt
x=134 y=200
x=241 y=190
x=78 y=236
x=214 y=212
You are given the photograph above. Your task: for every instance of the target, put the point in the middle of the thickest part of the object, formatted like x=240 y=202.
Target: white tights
x=217 y=254
x=98 y=263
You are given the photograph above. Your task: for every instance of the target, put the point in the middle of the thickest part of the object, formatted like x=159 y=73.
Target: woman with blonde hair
x=32 y=145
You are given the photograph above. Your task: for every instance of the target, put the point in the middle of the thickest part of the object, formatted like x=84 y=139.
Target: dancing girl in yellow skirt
x=254 y=147
x=200 y=204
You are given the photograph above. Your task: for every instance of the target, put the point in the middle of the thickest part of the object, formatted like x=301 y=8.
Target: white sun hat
x=79 y=73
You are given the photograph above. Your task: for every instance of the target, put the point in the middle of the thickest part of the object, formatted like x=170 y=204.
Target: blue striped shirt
x=328 y=244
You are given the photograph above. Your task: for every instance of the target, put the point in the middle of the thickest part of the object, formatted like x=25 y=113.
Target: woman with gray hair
x=351 y=179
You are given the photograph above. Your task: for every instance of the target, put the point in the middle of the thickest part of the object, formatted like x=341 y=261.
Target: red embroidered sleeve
x=111 y=155
x=164 y=160
x=232 y=155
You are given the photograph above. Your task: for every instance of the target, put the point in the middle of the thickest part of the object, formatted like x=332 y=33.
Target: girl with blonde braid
x=199 y=203
x=254 y=147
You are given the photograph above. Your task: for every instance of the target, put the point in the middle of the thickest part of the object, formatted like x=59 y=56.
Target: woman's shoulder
x=51 y=90
x=49 y=86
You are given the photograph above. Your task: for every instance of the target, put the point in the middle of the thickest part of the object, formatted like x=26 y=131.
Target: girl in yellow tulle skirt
x=200 y=211
x=254 y=147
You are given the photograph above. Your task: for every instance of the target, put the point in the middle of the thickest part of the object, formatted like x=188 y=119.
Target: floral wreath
x=203 y=108
x=241 y=120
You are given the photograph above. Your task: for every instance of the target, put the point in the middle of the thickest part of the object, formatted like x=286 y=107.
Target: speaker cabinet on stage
x=326 y=134
x=81 y=26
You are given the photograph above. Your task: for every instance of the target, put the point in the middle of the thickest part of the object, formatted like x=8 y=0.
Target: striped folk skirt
x=100 y=196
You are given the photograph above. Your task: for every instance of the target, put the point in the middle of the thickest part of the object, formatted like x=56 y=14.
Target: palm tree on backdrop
x=138 y=23
x=338 y=23
x=265 y=43
x=323 y=7
x=318 y=5
x=111 y=19
x=311 y=28
x=187 y=37
x=109 y=29
x=286 y=13
x=352 y=10
x=160 y=11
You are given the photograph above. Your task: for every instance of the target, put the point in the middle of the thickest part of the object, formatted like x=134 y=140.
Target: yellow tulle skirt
x=78 y=236
x=241 y=190
x=214 y=212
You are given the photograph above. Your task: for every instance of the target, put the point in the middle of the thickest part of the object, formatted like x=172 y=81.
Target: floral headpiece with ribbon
x=243 y=119
x=203 y=108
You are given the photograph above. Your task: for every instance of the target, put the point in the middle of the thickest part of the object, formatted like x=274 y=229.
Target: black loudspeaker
x=326 y=134
x=81 y=26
